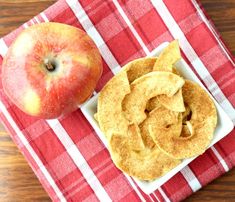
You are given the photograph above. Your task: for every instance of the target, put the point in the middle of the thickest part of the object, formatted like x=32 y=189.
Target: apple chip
x=203 y=122
x=109 y=107
x=138 y=68
x=146 y=87
x=174 y=103
x=152 y=104
x=136 y=160
x=185 y=131
x=186 y=114
x=175 y=71
x=165 y=120
x=169 y=56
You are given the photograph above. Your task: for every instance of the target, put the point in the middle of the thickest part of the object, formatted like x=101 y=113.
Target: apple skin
x=50 y=69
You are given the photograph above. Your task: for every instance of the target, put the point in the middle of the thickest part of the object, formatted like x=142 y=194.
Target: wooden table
x=18 y=182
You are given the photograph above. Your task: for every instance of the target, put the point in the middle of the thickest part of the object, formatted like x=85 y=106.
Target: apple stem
x=50 y=66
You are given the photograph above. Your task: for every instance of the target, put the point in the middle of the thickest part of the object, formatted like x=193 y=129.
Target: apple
x=50 y=69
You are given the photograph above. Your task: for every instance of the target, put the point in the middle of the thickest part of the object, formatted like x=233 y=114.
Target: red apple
x=50 y=69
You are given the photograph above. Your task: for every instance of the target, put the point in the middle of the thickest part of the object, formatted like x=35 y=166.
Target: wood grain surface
x=17 y=180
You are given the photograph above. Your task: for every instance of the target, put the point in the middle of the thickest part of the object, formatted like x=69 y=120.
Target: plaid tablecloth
x=66 y=154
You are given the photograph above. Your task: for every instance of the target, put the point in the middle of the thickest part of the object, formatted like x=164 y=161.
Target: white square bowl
x=224 y=125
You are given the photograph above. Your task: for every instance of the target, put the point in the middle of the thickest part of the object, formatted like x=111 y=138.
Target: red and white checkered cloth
x=66 y=154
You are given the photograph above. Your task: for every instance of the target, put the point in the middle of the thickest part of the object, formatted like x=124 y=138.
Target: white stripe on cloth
x=156 y=197
x=164 y=195
x=134 y=187
x=134 y=32
x=93 y=33
x=105 y=52
x=32 y=22
x=191 y=54
x=44 y=17
x=151 y=198
x=79 y=160
x=36 y=19
x=25 y=25
x=210 y=27
x=24 y=141
x=221 y=160
x=191 y=178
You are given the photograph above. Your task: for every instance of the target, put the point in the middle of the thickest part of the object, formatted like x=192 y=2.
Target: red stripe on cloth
x=34 y=130
x=224 y=73
x=55 y=10
x=79 y=196
x=43 y=144
x=76 y=187
x=18 y=115
x=158 y=196
x=130 y=197
x=226 y=147
x=200 y=33
x=190 y=22
x=98 y=10
x=229 y=89
x=146 y=197
x=177 y=8
x=177 y=188
x=74 y=183
x=62 y=169
x=119 y=183
x=78 y=131
x=63 y=14
x=67 y=17
x=211 y=167
x=214 y=58
x=117 y=25
x=136 y=9
x=122 y=52
x=145 y=26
